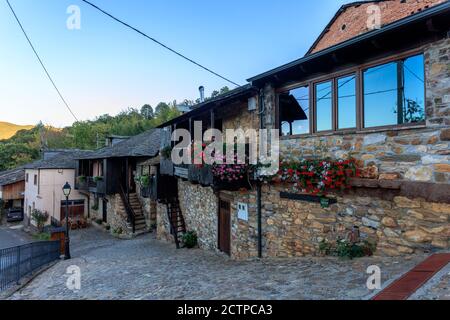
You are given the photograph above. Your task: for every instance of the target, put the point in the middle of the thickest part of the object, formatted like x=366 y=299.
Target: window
x=26 y=177
x=324 y=106
x=294 y=111
x=346 y=102
x=394 y=93
x=35 y=179
x=390 y=94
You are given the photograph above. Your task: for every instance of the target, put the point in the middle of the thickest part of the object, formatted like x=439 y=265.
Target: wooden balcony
x=91 y=184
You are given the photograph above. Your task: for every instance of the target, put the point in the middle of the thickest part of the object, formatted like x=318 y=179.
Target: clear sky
x=105 y=67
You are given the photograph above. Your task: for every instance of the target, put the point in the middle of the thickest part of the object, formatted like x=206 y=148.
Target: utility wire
x=40 y=61
x=160 y=43
x=413 y=73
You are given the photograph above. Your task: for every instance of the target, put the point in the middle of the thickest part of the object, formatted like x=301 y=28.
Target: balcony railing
x=91 y=184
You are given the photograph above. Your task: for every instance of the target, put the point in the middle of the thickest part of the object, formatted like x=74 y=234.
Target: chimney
x=202 y=93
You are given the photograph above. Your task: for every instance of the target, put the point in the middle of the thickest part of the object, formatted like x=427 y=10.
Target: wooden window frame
x=333 y=106
x=336 y=107
x=358 y=71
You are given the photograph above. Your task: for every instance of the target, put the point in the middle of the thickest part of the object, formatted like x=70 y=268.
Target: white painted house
x=44 y=180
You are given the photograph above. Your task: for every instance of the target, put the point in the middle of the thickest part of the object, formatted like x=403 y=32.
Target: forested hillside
x=26 y=145
x=7 y=130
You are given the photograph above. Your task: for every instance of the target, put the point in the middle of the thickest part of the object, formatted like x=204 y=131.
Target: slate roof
x=12 y=176
x=66 y=159
x=146 y=144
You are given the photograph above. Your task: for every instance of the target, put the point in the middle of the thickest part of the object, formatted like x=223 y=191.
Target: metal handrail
x=17 y=262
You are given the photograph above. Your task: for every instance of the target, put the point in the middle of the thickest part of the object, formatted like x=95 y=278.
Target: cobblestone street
x=145 y=268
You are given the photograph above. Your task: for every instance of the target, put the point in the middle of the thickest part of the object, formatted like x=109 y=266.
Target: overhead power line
x=40 y=61
x=160 y=43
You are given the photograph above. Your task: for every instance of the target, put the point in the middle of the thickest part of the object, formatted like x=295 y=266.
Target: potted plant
x=82 y=179
x=166 y=152
x=98 y=178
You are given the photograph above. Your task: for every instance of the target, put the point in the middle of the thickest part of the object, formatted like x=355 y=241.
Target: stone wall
x=398 y=226
x=95 y=214
x=162 y=223
x=237 y=116
x=437 y=76
x=415 y=155
x=117 y=216
x=244 y=234
x=199 y=207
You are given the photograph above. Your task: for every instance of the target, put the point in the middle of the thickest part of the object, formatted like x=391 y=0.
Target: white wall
x=47 y=194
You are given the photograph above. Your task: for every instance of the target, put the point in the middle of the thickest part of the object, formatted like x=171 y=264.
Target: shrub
x=346 y=249
x=40 y=218
x=98 y=178
x=190 y=239
x=44 y=236
x=118 y=230
x=99 y=221
x=144 y=180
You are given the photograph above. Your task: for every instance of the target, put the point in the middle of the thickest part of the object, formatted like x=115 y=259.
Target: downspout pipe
x=258 y=183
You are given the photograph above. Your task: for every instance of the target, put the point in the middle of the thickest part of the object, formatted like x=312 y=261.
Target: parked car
x=14 y=215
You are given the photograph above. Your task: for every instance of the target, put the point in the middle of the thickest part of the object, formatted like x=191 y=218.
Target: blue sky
x=105 y=68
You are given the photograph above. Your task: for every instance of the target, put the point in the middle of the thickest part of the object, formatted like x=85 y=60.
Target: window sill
x=354 y=131
x=429 y=191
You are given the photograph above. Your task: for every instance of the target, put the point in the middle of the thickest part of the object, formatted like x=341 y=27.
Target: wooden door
x=224 y=227
x=76 y=210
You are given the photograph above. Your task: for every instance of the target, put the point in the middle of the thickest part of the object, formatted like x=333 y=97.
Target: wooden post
x=212 y=118
x=400 y=92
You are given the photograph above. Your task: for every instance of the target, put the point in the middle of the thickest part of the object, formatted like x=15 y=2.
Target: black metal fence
x=20 y=261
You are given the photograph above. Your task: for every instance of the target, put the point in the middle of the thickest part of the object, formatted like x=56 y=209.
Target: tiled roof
x=146 y=144
x=12 y=176
x=66 y=159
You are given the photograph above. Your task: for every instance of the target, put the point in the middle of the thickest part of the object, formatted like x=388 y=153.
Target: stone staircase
x=140 y=224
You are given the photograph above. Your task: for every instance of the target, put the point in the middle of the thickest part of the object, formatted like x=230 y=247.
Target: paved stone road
x=12 y=237
x=145 y=268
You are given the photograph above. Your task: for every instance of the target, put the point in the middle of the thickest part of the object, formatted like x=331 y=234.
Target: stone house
x=379 y=95
x=117 y=181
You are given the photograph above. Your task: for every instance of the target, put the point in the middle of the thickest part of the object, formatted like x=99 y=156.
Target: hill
x=7 y=130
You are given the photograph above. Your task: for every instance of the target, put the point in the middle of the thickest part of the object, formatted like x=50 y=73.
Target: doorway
x=105 y=210
x=224 y=226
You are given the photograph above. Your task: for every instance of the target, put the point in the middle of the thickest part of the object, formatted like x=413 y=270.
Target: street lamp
x=66 y=190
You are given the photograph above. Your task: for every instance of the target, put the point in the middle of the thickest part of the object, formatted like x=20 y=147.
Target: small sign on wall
x=242 y=211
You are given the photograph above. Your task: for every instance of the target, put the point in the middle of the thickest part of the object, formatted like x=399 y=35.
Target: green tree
x=147 y=111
